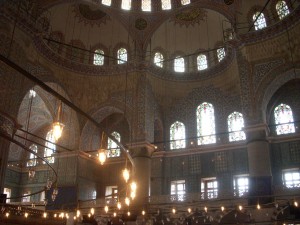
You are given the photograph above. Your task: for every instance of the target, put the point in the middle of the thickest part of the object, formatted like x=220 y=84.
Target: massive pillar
x=7 y=129
x=260 y=175
x=141 y=154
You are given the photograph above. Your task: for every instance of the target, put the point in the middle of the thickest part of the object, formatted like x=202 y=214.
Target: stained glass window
x=282 y=9
x=50 y=147
x=179 y=64
x=146 y=5
x=126 y=4
x=202 y=62
x=113 y=148
x=240 y=185
x=209 y=188
x=284 y=119
x=185 y=2
x=221 y=54
x=178 y=190
x=158 y=59
x=106 y=2
x=235 y=123
x=177 y=135
x=259 y=21
x=99 y=57
x=32 y=157
x=166 y=4
x=122 y=55
x=205 y=124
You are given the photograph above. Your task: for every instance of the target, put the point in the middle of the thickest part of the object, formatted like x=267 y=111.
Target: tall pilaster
x=259 y=164
x=7 y=129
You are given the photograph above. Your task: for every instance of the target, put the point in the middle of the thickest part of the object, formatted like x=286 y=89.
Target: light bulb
x=189 y=210
x=143 y=212
x=126 y=174
x=119 y=205
x=295 y=203
x=78 y=213
x=132 y=194
x=67 y=215
x=7 y=214
x=240 y=207
x=89 y=215
x=127 y=201
x=115 y=214
x=26 y=215
x=92 y=211
x=55 y=215
x=173 y=210
x=106 y=208
x=222 y=208
x=102 y=156
x=133 y=186
x=45 y=215
x=74 y=218
x=128 y=213
x=258 y=206
x=205 y=209
x=57 y=129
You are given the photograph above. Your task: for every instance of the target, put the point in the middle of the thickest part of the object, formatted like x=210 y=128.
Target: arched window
x=50 y=147
x=185 y=2
x=179 y=64
x=202 y=62
x=166 y=4
x=284 y=119
x=158 y=59
x=122 y=55
x=235 y=123
x=99 y=57
x=113 y=148
x=206 y=124
x=32 y=157
x=126 y=4
x=177 y=135
x=106 y=2
x=146 y=5
x=282 y=9
x=221 y=54
x=259 y=21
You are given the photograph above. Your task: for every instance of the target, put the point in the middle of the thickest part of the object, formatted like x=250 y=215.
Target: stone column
x=7 y=129
x=141 y=154
x=260 y=175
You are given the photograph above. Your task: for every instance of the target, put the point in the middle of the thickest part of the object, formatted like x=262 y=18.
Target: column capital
x=257 y=132
x=141 y=149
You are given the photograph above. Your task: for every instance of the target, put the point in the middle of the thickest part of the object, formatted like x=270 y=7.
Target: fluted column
x=260 y=175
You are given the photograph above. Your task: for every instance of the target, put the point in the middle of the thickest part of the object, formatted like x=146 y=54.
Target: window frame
x=178 y=194
x=98 y=53
x=202 y=138
x=49 y=147
x=179 y=64
x=122 y=59
x=259 y=20
x=240 y=191
x=208 y=192
x=295 y=183
x=284 y=128
x=235 y=134
x=200 y=65
x=283 y=10
x=112 y=151
x=177 y=143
